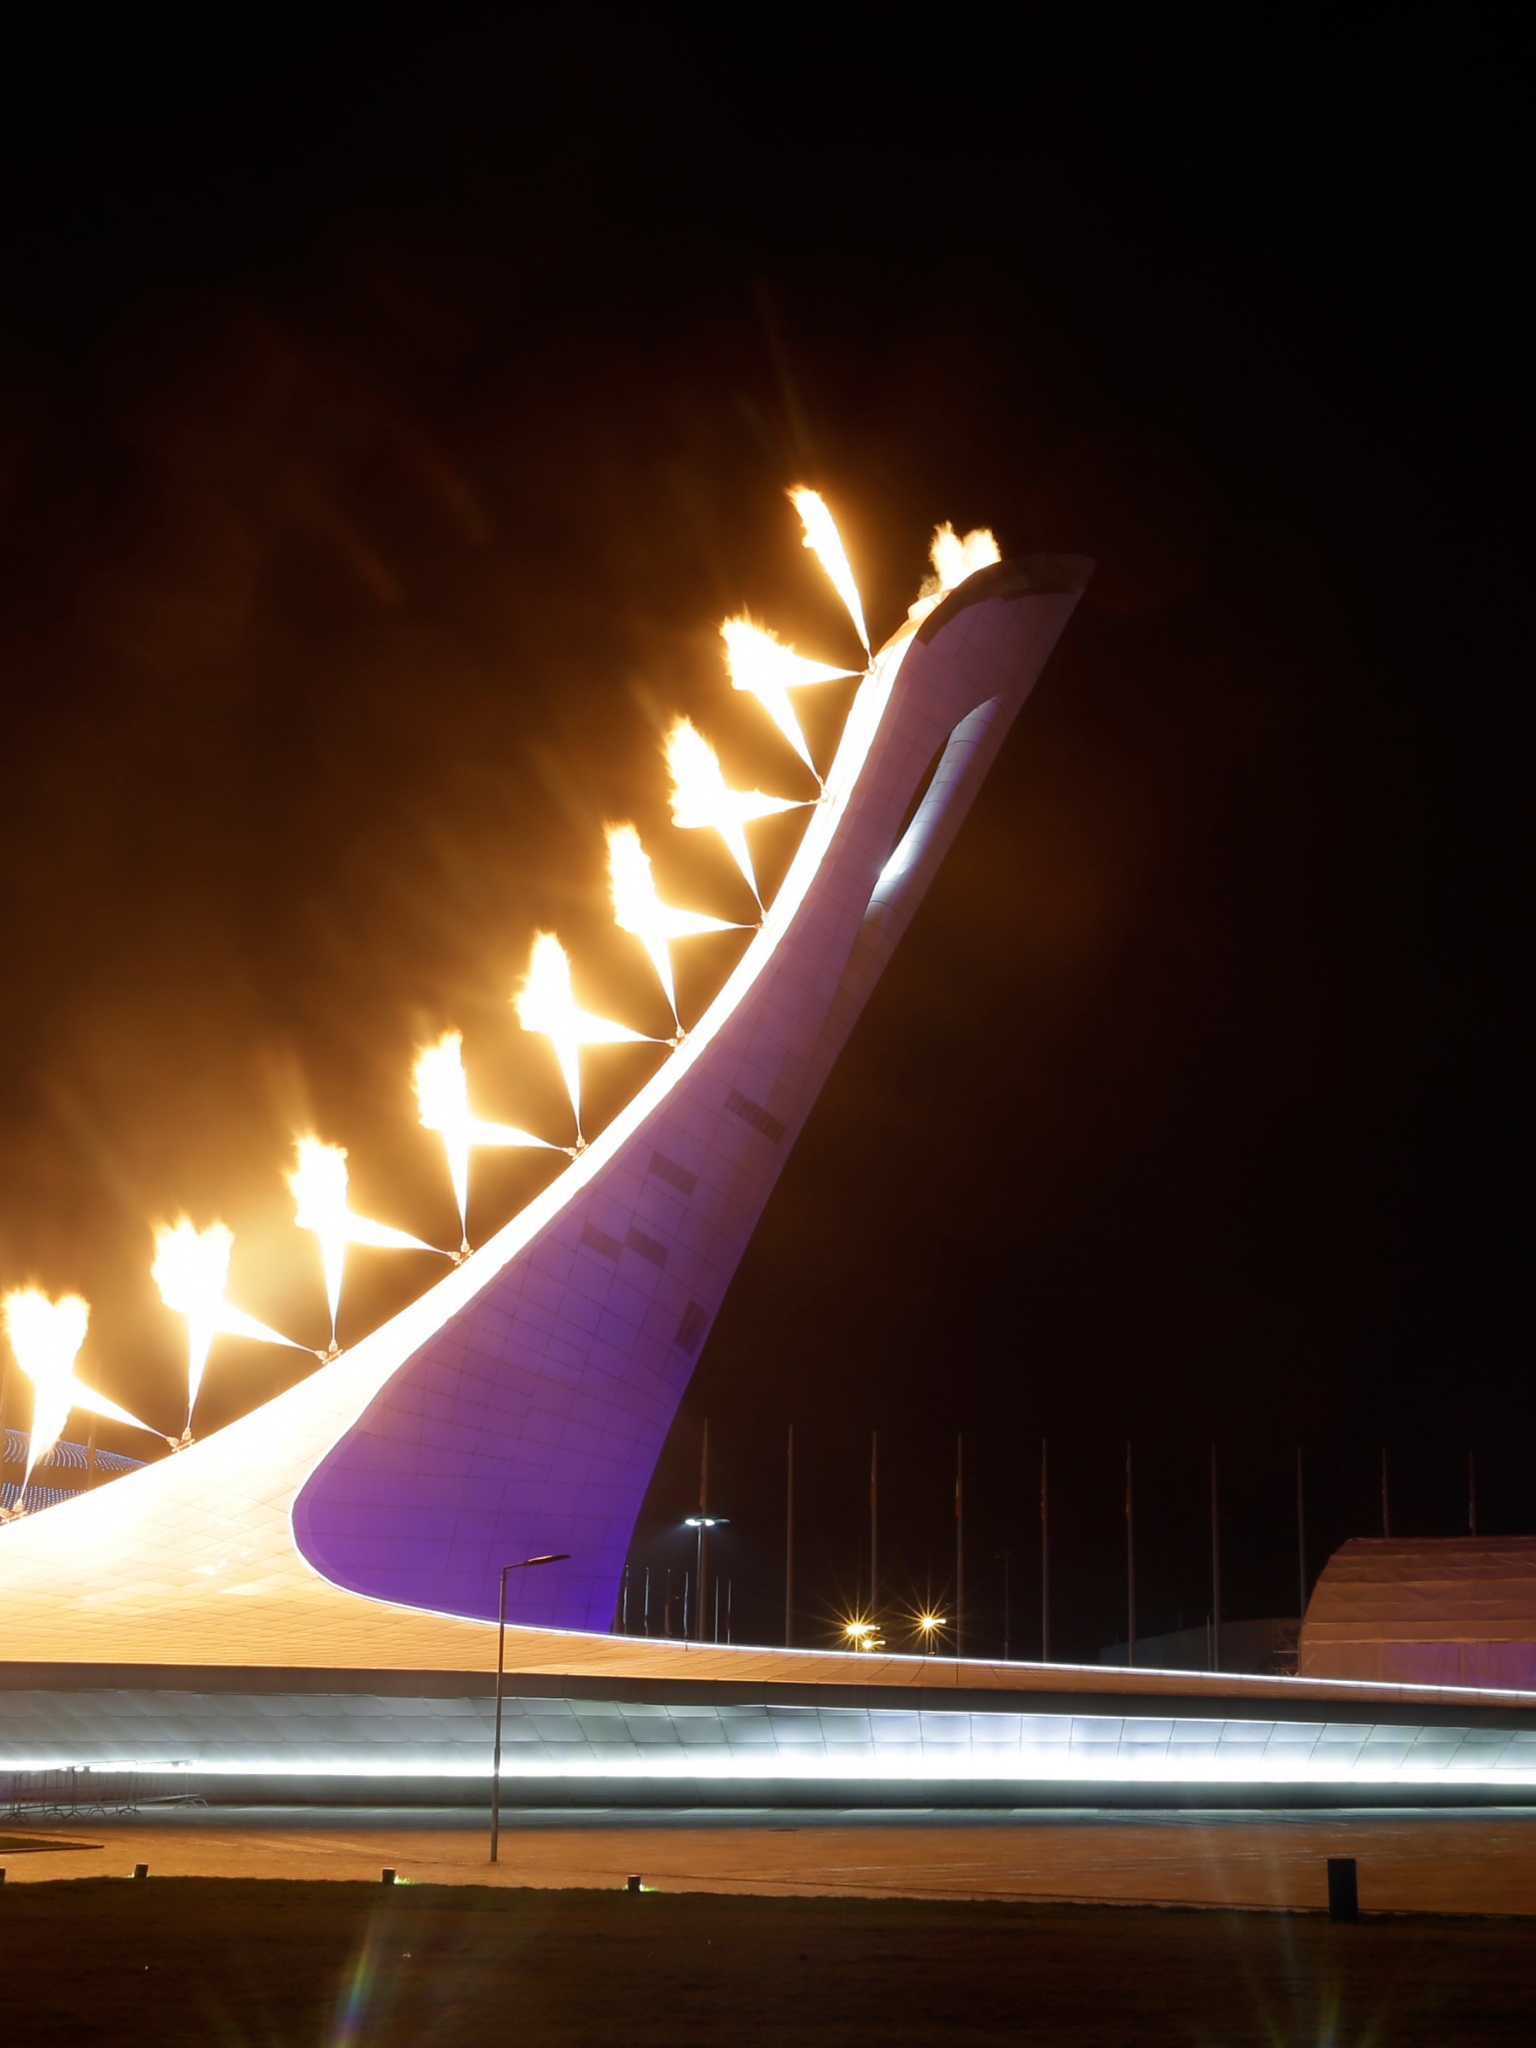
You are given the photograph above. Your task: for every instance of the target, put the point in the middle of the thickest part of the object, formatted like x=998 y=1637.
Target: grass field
x=236 y=1963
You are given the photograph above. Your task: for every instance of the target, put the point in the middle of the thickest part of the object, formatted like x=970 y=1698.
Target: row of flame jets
x=191 y=1266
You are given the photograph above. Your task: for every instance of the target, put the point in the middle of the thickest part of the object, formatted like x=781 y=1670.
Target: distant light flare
x=703 y=799
x=638 y=909
x=191 y=1270
x=319 y=1184
x=546 y=1003
x=826 y=544
x=442 y=1098
x=46 y=1337
x=760 y=664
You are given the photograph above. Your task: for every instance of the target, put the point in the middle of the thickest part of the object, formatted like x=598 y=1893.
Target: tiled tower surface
x=532 y=1421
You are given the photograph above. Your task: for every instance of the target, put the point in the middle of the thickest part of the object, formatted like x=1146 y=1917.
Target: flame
x=826 y=544
x=442 y=1097
x=546 y=1003
x=955 y=556
x=637 y=908
x=319 y=1184
x=760 y=664
x=191 y=1270
x=701 y=796
x=46 y=1337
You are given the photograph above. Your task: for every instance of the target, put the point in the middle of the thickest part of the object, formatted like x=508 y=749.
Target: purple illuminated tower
x=531 y=1421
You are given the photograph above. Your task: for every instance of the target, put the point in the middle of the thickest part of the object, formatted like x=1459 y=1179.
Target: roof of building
x=1455 y=1589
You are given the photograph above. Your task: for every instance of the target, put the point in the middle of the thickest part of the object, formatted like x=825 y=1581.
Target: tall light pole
x=1045 y=1555
x=874 y=1521
x=523 y=1564
x=1215 y=1564
x=959 y=1546
x=789 y=1544
x=1130 y=1557
x=700 y=1524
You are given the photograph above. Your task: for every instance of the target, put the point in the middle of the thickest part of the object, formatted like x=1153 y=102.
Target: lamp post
x=699 y=1524
x=522 y=1565
x=1045 y=1555
x=1215 y=1563
x=1130 y=1556
x=789 y=1545
x=959 y=1546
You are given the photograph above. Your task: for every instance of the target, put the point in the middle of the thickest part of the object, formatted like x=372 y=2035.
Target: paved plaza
x=1440 y=1862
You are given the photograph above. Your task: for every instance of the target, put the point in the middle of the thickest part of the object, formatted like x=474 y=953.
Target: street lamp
x=522 y=1565
x=700 y=1523
x=928 y=1625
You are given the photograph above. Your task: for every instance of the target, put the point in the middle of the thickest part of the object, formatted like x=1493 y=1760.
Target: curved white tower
x=521 y=1404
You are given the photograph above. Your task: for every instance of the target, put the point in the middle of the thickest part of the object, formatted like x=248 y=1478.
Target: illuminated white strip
x=368 y=1736
x=923 y=1768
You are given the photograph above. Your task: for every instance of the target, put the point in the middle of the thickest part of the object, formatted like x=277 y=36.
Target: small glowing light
x=760 y=664
x=826 y=544
x=638 y=909
x=546 y=1003
x=863 y=1635
x=703 y=799
x=46 y=1337
x=319 y=1184
x=929 y=1622
x=442 y=1098
x=191 y=1270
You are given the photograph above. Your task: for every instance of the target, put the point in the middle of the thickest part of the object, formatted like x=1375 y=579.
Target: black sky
x=391 y=402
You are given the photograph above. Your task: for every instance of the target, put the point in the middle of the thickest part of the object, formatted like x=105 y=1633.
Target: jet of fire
x=702 y=797
x=760 y=664
x=191 y=1270
x=637 y=908
x=442 y=1097
x=319 y=1184
x=956 y=556
x=826 y=544
x=46 y=1337
x=547 y=1004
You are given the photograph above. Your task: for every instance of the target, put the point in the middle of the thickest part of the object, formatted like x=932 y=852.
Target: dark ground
x=229 y=1962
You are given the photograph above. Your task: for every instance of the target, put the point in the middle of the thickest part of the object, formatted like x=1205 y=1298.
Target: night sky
x=392 y=401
